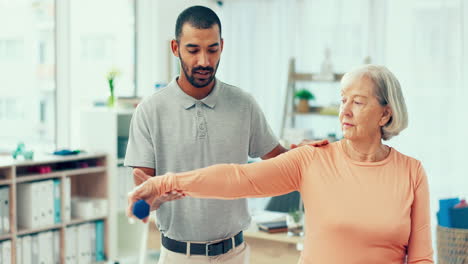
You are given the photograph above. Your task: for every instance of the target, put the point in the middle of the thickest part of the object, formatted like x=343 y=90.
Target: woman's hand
x=148 y=192
x=167 y=197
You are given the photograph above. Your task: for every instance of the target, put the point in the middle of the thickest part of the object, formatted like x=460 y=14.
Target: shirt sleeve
x=140 y=149
x=261 y=140
x=420 y=244
x=276 y=176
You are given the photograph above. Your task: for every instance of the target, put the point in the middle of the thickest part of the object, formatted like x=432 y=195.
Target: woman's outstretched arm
x=272 y=177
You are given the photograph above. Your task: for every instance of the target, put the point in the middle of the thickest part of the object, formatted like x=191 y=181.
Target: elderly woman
x=365 y=202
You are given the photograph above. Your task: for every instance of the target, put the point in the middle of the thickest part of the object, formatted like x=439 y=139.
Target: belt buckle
x=207 y=246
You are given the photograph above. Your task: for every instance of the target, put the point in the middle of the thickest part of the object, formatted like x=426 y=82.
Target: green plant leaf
x=304 y=94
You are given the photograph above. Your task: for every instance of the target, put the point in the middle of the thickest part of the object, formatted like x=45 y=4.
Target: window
x=102 y=38
x=27 y=82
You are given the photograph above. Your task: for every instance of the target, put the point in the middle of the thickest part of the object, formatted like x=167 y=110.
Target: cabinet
x=106 y=130
x=326 y=113
x=39 y=210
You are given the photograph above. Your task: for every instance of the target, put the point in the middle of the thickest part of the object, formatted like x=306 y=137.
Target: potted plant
x=294 y=221
x=110 y=79
x=304 y=96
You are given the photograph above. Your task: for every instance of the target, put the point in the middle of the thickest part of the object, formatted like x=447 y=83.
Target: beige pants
x=238 y=255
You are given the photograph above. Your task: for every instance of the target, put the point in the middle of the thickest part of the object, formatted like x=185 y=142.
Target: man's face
x=199 y=51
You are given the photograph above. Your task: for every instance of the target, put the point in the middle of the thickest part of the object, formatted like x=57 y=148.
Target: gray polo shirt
x=173 y=132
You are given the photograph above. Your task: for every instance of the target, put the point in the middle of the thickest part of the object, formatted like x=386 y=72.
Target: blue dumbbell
x=141 y=209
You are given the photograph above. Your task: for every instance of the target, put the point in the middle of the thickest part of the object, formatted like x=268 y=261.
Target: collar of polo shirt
x=188 y=101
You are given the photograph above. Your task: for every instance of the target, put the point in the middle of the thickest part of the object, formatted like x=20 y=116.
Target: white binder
x=92 y=244
x=1 y=213
x=35 y=249
x=28 y=205
x=48 y=202
x=45 y=253
x=67 y=199
x=71 y=245
x=6 y=252
x=19 y=250
x=27 y=249
x=83 y=244
x=56 y=250
x=5 y=210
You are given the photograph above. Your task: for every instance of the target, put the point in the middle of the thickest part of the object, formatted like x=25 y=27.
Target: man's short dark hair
x=200 y=17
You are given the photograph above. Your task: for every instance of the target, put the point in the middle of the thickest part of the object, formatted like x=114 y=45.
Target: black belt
x=207 y=249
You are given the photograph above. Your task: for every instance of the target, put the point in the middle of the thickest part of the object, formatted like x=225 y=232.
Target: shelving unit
x=289 y=111
x=106 y=130
x=90 y=180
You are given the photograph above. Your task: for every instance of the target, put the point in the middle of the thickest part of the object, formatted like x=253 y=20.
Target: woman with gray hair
x=364 y=201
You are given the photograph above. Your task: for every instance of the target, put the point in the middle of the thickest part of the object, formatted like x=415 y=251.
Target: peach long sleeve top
x=355 y=212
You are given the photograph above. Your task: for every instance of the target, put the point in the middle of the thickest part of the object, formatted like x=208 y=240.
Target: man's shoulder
x=158 y=97
x=233 y=92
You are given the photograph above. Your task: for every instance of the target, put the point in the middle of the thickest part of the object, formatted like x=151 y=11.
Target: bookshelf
x=87 y=176
x=105 y=129
x=289 y=110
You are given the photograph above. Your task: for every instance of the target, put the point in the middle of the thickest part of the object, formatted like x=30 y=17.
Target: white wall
x=425 y=49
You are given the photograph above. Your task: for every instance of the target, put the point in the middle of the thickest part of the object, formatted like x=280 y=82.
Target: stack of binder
x=38 y=203
x=85 y=243
x=37 y=248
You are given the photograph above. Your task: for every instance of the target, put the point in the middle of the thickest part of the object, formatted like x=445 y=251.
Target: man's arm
x=279 y=149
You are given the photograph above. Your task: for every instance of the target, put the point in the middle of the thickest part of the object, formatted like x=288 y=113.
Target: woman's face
x=361 y=115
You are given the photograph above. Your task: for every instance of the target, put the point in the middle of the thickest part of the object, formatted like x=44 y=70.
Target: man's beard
x=198 y=83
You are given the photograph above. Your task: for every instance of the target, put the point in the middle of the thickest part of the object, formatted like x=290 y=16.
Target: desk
x=265 y=248
x=276 y=248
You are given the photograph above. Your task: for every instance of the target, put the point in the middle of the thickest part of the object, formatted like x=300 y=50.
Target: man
x=194 y=122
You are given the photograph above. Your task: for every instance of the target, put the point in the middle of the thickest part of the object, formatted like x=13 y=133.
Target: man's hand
x=148 y=191
x=313 y=143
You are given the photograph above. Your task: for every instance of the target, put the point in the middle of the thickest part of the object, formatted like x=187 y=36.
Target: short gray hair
x=387 y=89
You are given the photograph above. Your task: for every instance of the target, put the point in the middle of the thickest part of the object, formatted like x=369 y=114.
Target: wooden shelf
x=24 y=231
x=84 y=171
x=44 y=159
x=319 y=110
x=58 y=174
x=81 y=221
x=314 y=113
x=313 y=77
x=5 y=182
x=5 y=237
x=277 y=237
x=36 y=177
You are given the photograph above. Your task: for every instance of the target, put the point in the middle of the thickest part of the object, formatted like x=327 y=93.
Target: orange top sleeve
x=271 y=177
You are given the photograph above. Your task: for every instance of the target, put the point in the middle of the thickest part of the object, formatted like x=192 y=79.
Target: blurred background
x=55 y=57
